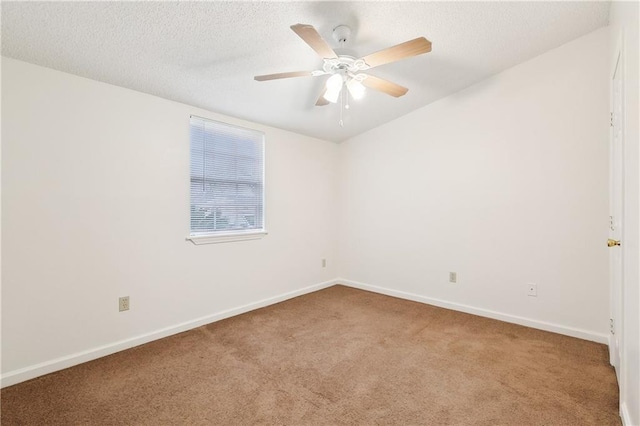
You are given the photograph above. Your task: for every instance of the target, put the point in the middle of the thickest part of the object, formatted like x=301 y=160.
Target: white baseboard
x=541 y=325
x=33 y=371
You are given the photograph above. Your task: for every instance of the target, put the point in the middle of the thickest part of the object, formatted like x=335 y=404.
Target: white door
x=616 y=200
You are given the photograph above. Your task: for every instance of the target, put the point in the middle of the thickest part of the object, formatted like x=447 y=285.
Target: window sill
x=226 y=237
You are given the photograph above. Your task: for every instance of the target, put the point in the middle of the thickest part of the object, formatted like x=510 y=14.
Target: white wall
x=505 y=183
x=623 y=18
x=95 y=189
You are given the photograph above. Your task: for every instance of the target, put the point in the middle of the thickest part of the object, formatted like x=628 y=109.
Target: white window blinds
x=227 y=178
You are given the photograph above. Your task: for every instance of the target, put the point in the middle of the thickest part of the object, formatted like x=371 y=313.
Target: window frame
x=212 y=237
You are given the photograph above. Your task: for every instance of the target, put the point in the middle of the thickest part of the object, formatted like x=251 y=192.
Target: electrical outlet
x=124 y=303
x=324 y=263
x=453 y=277
x=532 y=290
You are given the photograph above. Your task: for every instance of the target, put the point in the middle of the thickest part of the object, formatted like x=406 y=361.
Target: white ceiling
x=205 y=54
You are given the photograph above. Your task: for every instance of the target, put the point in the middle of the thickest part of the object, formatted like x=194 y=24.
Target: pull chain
x=341 y=106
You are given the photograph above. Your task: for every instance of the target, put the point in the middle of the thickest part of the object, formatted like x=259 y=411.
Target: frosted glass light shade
x=356 y=89
x=334 y=86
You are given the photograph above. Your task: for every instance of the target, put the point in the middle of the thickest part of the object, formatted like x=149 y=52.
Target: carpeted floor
x=337 y=356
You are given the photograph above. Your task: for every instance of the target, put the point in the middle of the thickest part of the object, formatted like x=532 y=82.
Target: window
x=227 y=182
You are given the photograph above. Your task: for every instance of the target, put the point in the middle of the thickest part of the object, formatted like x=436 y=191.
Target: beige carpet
x=337 y=356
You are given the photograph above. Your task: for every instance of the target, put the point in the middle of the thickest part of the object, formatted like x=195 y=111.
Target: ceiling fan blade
x=283 y=75
x=314 y=40
x=400 y=51
x=384 y=86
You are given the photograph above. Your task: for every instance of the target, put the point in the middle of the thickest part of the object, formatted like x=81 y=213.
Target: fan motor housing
x=344 y=63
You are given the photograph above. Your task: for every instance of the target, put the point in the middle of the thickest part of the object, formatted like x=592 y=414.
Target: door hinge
x=611 y=120
x=611 y=326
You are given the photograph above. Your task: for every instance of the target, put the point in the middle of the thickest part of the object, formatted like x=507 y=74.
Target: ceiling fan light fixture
x=356 y=89
x=332 y=95
x=334 y=86
x=334 y=82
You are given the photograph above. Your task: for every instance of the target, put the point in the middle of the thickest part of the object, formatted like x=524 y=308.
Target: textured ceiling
x=206 y=53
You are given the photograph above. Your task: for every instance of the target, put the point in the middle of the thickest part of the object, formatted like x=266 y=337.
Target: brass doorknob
x=612 y=243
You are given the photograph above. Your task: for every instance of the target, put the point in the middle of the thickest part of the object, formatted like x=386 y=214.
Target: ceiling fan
x=346 y=71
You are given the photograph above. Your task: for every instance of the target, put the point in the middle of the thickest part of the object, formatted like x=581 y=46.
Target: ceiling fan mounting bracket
x=341 y=34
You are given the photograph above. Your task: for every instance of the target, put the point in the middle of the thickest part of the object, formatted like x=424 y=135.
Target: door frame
x=616 y=339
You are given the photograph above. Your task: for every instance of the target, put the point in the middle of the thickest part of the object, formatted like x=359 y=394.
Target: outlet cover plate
x=123 y=303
